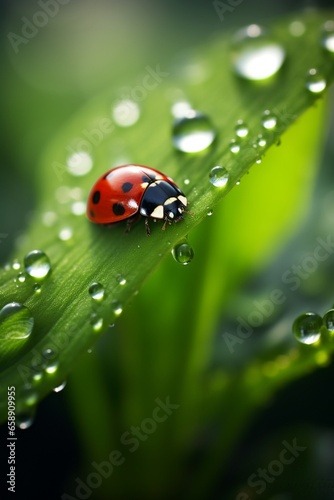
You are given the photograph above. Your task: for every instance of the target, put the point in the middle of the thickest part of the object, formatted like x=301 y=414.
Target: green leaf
x=82 y=253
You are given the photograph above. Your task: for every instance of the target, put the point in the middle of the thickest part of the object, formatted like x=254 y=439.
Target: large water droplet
x=79 y=163
x=327 y=40
x=126 y=113
x=16 y=321
x=37 y=264
x=193 y=132
x=306 y=328
x=255 y=56
x=96 y=291
x=183 y=253
x=218 y=176
x=315 y=82
x=329 y=320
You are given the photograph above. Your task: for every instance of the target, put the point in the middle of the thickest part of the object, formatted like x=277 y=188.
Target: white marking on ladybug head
x=170 y=215
x=170 y=200
x=158 y=212
x=183 y=200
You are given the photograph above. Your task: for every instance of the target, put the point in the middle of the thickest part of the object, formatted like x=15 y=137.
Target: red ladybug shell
x=119 y=194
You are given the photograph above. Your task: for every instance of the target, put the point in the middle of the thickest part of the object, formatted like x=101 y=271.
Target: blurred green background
x=87 y=47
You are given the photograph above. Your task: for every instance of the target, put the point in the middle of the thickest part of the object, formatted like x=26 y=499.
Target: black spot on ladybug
x=126 y=187
x=91 y=213
x=118 y=208
x=96 y=197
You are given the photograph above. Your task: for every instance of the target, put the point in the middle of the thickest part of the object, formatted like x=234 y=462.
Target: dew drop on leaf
x=234 y=146
x=16 y=265
x=96 y=291
x=241 y=129
x=256 y=57
x=126 y=113
x=16 y=321
x=327 y=40
x=25 y=419
x=21 y=277
x=315 y=82
x=60 y=387
x=37 y=264
x=193 y=132
x=329 y=320
x=79 y=163
x=218 y=176
x=116 y=307
x=120 y=279
x=269 y=120
x=306 y=328
x=96 y=322
x=183 y=253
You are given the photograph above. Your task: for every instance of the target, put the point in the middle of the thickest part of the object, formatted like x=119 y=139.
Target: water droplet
x=297 y=28
x=60 y=387
x=25 y=419
x=180 y=109
x=218 y=176
x=49 y=218
x=183 y=253
x=78 y=208
x=238 y=183
x=234 y=146
x=37 y=264
x=315 y=82
x=258 y=160
x=16 y=265
x=96 y=291
x=269 y=120
x=209 y=212
x=329 y=320
x=255 y=56
x=117 y=307
x=241 y=129
x=126 y=113
x=79 y=163
x=186 y=182
x=96 y=322
x=306 y=328
x=120 y=279
x=260 y=141
x=21 y=277
x=193 y=132
x=327 y=40
x=65 y=234
x=16 y=321
x=37 y=288
x=49 y=353
x=51 y=367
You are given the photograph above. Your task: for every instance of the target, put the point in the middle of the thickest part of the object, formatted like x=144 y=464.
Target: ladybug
x=129 y=190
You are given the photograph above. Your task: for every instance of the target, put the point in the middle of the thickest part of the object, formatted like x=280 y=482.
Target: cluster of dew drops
x=256 y=57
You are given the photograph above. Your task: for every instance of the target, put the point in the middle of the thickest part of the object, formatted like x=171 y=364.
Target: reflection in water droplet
x=241 y=129
x=96 y=291
x=260 y=141
x=306 y=328
x=37 y=264
x=255 y=56
x=269 y=120
x=120 y=279
x=126 y=113
x=37 y=288
x=21 y=277
x=183 y=253
x=96 y=322
x=193 y=132
x=25 y=419
x=60 y=387
x=209 y=212
x=315 y=82
x=116 y=307
x=79 y=163
x=329 y=320
x=218 y=176
x=16 y=321
x=16 y=265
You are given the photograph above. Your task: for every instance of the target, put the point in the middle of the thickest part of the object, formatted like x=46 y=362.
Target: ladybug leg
x=129 y=223
x=164 y=225
x=148 y=230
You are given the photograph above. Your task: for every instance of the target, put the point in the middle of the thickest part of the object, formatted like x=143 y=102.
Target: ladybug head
x=173 y=208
